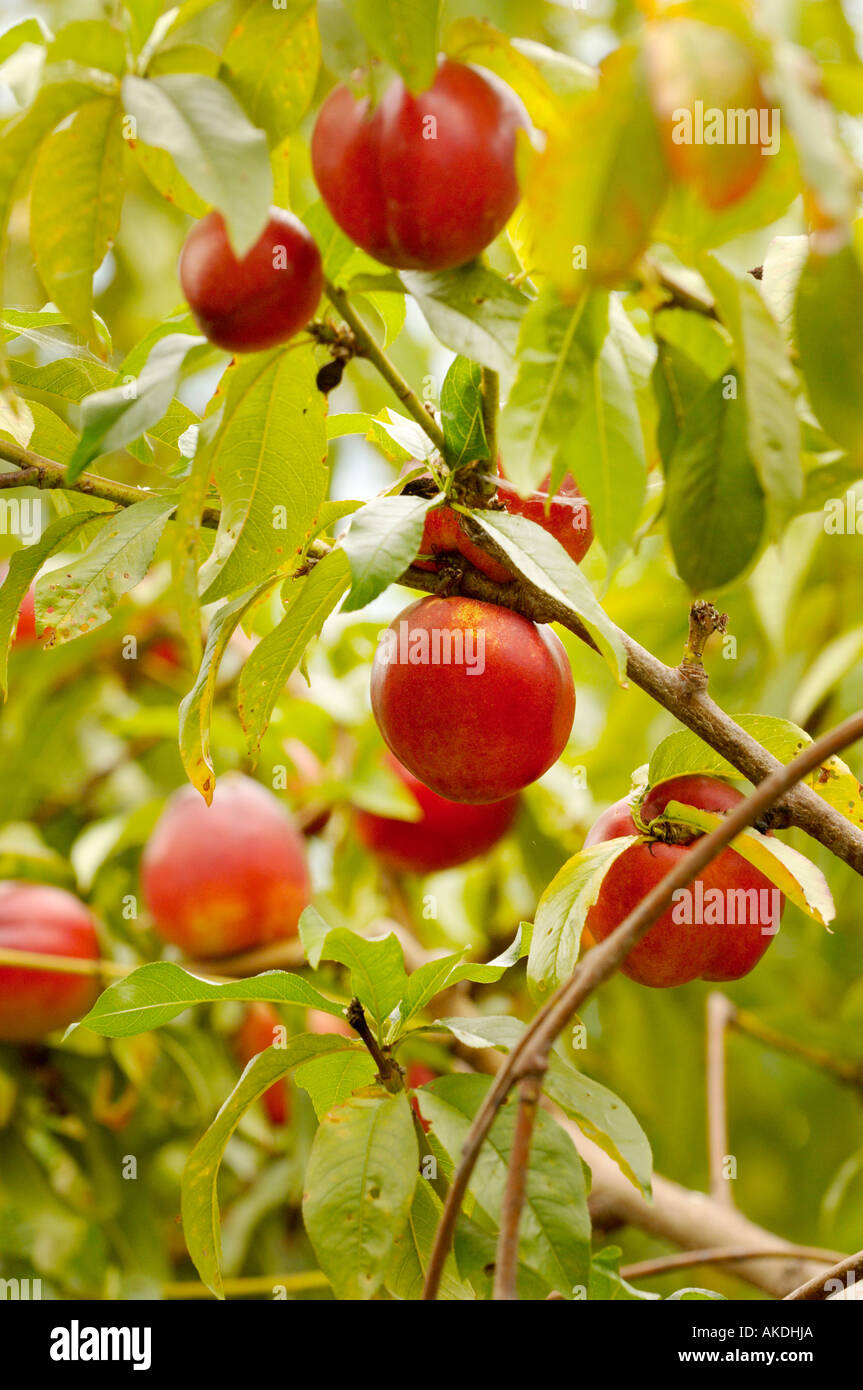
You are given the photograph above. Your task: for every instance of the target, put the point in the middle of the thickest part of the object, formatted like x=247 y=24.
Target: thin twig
x=506 y=1262
x=848 y=1072
x=603 y=960
x=817 y=1289
x=717 y=1255
x=368 y=348
x=389 y=1071
x=43 y=473
x=718 y=1012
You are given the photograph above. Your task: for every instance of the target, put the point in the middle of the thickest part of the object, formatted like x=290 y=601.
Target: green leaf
x=160 y=169
x=94 y=43
x=156 y=994
x=332 y=1078
x=543 y=561
x=554 y=1240
x=196 y=707
x=540 y=76
x=557 y=344
x=604 y=448
x=384 y=538
x=30 y=323
x=200 y=1206
x=23 y=135
x=696 y=1296
x=684 y=752
x=403 y=33
x=268 y=463
x=23 y=568
x=828 y=316
x=271 y=63
x=600 y=1114
x=606 y=1283
x=489 y=972
x=795 y=875
x=461 y=413
x=186 y=540
x=377 y=967
x=24 y=855
x=591 y=196
x=278 y=655
x=398 y=437
x=25 y=31
x=359 y=1188
x=472 y=310
x=113 y=418
x=562 y=911
x=769 y=384
x=65 y=379
x=212 y=142
x=828 y=170
x=76 y=598
x=714 y=502
x=407 y=1269
x=425 y=982
x=780 y=275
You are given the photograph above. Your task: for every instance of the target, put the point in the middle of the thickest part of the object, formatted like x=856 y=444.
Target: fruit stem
x=368 y=348
x=389 y=1071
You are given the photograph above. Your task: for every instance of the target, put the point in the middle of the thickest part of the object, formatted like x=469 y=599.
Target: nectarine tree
x=457 y=269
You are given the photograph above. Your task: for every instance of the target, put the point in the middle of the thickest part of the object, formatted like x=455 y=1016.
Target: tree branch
x=40 y=472
x=817 y=1289
x=529 y=1055
x=719 y=1010
x=718 y=1255
x=849 y=1073
x=506 y=1262
x=368 y=348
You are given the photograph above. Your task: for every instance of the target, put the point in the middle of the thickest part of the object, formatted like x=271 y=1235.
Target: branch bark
x=368 y=348
x=36 y=471
x=817 y=1289
x=719 y=1010
x=528 y=1057
x=506 y=1262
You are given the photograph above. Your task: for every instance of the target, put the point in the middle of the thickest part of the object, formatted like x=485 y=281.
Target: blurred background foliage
x=88 y=753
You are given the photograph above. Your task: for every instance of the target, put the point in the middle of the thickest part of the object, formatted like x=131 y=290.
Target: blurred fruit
x=474 y=700
x=675 y=951
x=263 y=299
x=319 y=1021
x=25 y=632
x=417 y=1074
x=444 y=534
x=705 y=85
x=259 y=1031
x=423 y=182
x=51 y=922
x=226 y=877
x=568 y=519
x=447 y=834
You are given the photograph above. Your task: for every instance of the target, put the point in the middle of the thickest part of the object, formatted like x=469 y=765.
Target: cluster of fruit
x=425 y=183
